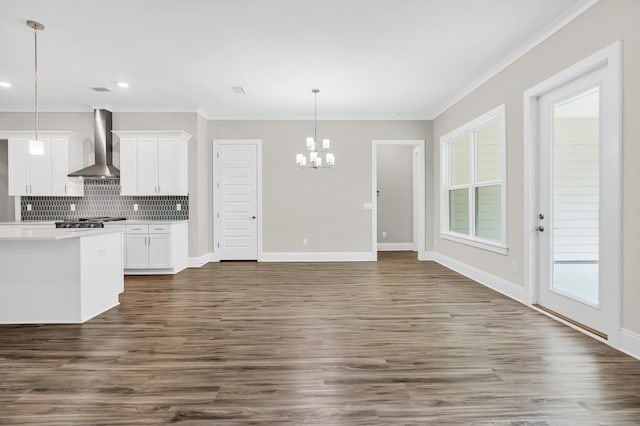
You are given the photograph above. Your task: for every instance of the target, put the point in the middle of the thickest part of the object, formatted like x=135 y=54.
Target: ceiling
x=371 y=59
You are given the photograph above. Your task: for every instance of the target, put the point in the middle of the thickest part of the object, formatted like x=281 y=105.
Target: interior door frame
x=611 y=249
x=420 y=208
x=217 y=224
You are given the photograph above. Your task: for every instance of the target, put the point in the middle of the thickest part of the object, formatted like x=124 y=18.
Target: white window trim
x=472 y=240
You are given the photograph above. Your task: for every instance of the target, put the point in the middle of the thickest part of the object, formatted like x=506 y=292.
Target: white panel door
x=238 y=204
x=572 y=275
x=169 y=174
x=41 y=170
x=147 y=165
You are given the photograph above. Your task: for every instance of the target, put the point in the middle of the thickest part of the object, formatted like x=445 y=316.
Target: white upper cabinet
x=44 y=172
x=154 y=162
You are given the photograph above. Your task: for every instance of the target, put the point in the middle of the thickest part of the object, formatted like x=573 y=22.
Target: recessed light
x=100 y=89
x=238 y=90
x=4 y=84
x=123 y=84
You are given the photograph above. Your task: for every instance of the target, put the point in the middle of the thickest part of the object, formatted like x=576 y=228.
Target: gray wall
x=605 y=23
x=395 y=202
x=324 y=206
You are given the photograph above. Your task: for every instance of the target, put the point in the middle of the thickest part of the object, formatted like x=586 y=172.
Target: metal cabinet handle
x=540 y=228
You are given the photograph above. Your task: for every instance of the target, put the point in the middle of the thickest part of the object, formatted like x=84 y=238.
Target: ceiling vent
x=238 y=90
x=100 y=89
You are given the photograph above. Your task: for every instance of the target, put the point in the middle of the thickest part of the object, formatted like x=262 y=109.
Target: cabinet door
x=170 y=175
x=137 y=251
x=160 y=251
x=66 y=157
x=41 y=170
x=147 y=162
x=18 y=166
x=128 y=167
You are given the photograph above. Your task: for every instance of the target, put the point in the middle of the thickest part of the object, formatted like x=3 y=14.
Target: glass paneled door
x=570 y=225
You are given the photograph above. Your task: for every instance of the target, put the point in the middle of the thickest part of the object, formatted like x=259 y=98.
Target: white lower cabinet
x=156 y=248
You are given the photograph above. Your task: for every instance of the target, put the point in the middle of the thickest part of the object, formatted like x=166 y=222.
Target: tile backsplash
x=102 y=198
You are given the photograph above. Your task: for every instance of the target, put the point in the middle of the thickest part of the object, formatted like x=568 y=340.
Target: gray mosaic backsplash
x=102 y=198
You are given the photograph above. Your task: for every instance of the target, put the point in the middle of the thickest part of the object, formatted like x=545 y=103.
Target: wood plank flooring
x=398 y=342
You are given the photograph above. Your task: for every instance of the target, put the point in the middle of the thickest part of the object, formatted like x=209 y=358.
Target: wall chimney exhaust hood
x=103 y=142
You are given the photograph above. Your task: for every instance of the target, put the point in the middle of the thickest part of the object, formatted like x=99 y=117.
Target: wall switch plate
x=72 y=207
x=514 y=266
x=29 y=207
x=367 y=206
x=305 y=241
x=135 y=207
x=178 y=207
x=384 y=234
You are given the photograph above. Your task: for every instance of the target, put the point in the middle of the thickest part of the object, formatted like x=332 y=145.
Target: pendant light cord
x=35 y=41
x=315 y=116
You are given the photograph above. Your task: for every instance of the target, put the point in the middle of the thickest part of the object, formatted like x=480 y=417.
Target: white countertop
x=20 y=234
x=144 y=222
x=29 y=222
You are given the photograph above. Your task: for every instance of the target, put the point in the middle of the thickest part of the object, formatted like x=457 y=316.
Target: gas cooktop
x=87 y=222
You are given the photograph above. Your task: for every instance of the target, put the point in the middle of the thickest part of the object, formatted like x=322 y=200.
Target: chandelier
x=315 y=149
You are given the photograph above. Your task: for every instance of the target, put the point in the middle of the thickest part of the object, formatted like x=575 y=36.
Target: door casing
x=216 y=198
x=611 y=246
x=419 y=209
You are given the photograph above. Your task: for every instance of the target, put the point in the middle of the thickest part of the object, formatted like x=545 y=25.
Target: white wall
x=395 y=200
x=324 y=206
x=605 y=23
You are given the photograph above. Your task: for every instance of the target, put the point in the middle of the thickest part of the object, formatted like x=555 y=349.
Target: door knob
x=253 y=217
x=540 y=228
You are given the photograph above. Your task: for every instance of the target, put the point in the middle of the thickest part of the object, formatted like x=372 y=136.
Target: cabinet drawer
x=160 y=229
x=137 y=229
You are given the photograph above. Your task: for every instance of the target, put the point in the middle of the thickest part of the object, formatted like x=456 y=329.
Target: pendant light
x=316 y=150
x=36 y=146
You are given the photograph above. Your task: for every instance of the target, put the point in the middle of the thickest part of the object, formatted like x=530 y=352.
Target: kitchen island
x=58 y=276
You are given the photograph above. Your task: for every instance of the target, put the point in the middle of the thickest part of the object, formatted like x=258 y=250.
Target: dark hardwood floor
x=398 y=342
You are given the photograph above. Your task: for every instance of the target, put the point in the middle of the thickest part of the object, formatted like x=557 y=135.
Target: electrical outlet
x=135 y=207
x=72 y=207
x=178 y=207
x=29 y=207
x=305 y=241
x=384 y=234
x=514 y=266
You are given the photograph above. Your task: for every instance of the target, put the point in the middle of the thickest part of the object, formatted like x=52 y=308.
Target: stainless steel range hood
x=103 y=141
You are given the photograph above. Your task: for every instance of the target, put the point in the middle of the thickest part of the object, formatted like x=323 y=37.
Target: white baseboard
x=347 y=256
x=197 y=262
x=426 y=255
x=629 y=343
x=498 y=284
x=396 y=246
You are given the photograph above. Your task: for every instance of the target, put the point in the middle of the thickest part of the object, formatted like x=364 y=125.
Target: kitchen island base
x=69 y=280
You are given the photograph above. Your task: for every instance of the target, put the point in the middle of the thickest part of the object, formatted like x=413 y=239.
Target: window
x=472 y=185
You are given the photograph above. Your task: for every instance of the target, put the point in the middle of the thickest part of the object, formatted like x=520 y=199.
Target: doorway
x=574 y=270
x=237 y=199
x=398 y=194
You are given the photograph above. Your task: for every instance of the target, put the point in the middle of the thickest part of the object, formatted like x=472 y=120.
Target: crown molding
x=529 y=45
